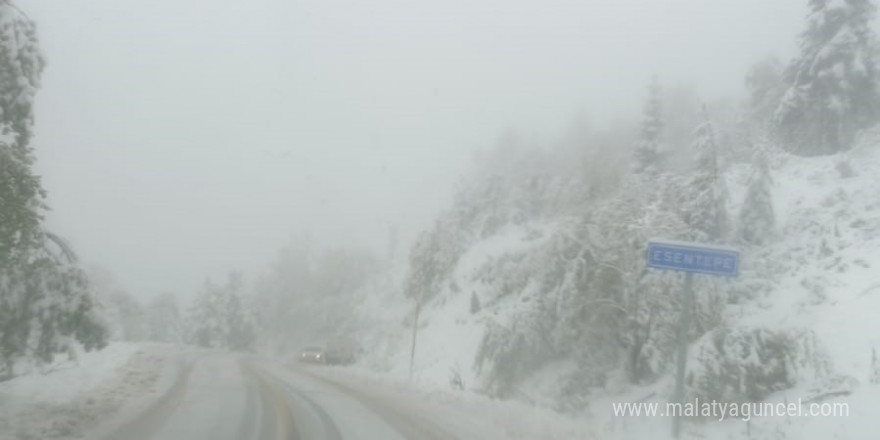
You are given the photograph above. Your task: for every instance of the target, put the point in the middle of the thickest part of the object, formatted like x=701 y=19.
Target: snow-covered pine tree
x=756 y=217
x=705 y=210
x=127 y=318
x=219 y=318
x=203 y=322
x=45 y=303
x=647 y=156
x=834 y=85
x=240 y=333
x=164 y=320
x=765 y=87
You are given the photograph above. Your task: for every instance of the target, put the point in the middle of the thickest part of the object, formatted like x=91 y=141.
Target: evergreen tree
x=165 y=322
x=129 y=319
x=765 y=87
x=647 y=154
x=705 y=209
x=833 y=89
x=756 y=217
x=45 y=302
x=220 y=319
x=203 y=322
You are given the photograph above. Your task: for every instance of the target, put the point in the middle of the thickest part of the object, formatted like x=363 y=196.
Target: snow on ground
x=383 y=313
x=826 y=258
x=67 y=379
x=74 y=398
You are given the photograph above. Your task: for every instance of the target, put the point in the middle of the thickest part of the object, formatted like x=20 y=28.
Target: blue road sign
x=692 y=257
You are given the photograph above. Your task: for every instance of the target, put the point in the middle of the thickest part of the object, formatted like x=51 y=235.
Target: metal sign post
x=412 y=355
x=689 y=258
x=681 y=361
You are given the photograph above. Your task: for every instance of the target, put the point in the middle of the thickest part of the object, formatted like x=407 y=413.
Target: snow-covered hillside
x=812 y=290
x=823 y=266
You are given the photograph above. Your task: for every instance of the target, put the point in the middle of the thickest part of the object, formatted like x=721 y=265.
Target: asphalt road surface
x=217 y=397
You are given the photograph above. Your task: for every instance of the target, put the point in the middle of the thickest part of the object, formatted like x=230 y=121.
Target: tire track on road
x=331 y=431
x=294 y=405
x=408 y=424
x=252 y=420
x=280 y=422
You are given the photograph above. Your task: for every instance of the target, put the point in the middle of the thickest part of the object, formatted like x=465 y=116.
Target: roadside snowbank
x=67 y=380
x=74 y=398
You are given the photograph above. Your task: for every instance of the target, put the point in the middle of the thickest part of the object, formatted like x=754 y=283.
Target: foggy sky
x=183 y=138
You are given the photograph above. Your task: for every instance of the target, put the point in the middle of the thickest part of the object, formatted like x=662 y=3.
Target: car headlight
x=317 y=356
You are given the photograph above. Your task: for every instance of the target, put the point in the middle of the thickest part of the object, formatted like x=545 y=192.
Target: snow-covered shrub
x=845 y=169
x=509 y=353
x=748 y=364
x=749 y=289
x=578 y=387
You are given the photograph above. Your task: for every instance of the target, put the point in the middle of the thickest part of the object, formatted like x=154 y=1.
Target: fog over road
x=226 y=396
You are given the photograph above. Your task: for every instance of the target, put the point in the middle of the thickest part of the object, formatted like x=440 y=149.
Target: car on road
x=341 y=350
x=335 y=356
x=314 y=355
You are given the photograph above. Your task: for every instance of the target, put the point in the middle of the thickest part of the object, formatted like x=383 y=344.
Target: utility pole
x=412 y=356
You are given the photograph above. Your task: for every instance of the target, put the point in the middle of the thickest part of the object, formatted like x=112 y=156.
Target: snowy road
x=221 y=396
